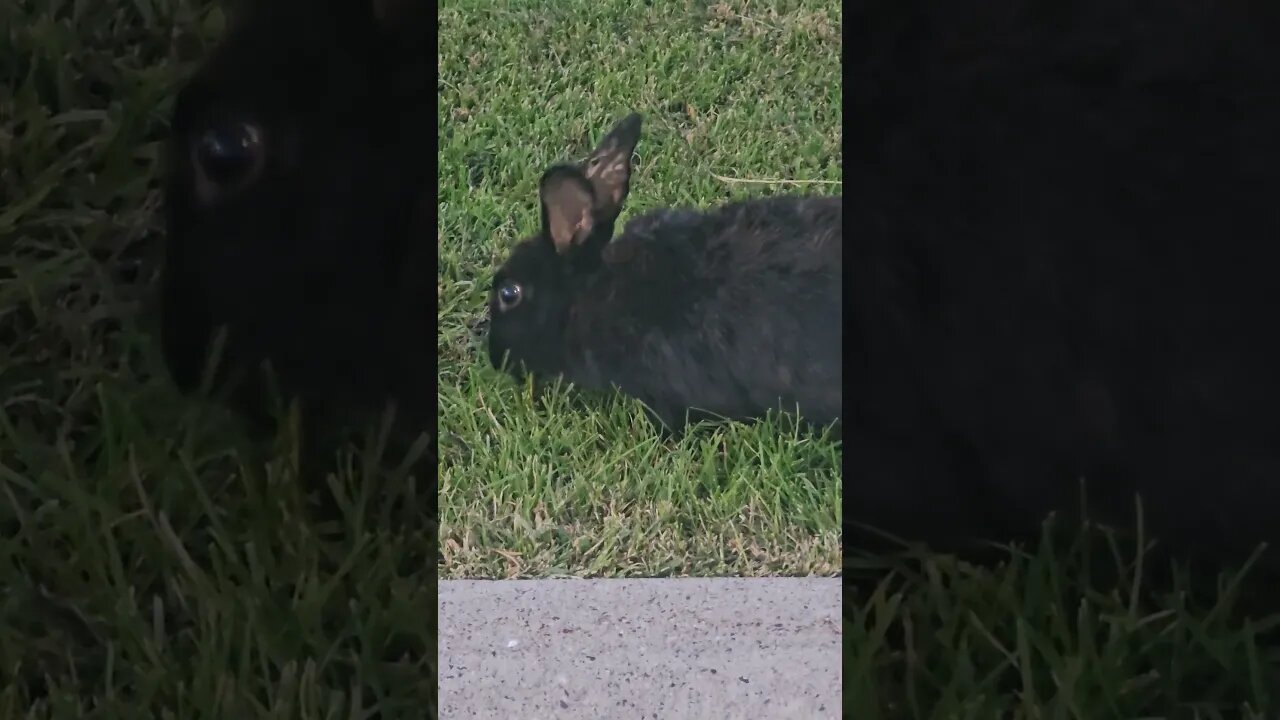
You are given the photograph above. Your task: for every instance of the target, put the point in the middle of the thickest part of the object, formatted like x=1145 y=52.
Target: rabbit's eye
x=509 y=296
x=229 y=154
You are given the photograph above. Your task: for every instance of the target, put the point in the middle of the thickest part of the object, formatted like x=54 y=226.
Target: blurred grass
x=1088 y=629
x=148 y=567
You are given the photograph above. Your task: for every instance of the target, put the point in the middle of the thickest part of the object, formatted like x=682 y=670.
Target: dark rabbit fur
x=297 y=203
x=727 y=313
x=1064 y=216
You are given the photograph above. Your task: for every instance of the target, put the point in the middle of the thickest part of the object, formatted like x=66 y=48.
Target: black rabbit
x=1061 y=218
x=727 y=313
x=297 y=201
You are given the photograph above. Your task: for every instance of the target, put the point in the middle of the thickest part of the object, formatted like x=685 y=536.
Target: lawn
x=148 y=567
x=557 y=483
x=1082 y=630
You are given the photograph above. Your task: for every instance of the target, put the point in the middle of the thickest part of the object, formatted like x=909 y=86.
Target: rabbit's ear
x=609 y=166
x=567 y=208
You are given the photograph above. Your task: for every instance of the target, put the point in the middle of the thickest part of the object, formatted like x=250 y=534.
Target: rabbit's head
x=296 y=198
x=532 y=291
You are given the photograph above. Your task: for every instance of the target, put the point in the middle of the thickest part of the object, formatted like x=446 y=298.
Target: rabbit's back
x=1061 y=217
x=732 y=312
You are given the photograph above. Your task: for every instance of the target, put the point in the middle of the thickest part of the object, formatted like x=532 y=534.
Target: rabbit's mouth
x=502 y=360
x=479 y=328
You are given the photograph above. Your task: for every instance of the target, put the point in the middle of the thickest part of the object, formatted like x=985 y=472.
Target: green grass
x=562 y=484
x=1088 y=630
x=148 y=568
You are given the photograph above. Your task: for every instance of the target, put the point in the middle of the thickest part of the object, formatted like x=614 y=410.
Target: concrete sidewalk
x=670 y=649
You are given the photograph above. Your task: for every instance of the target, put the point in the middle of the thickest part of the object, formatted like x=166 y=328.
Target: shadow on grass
x=1086 y=623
